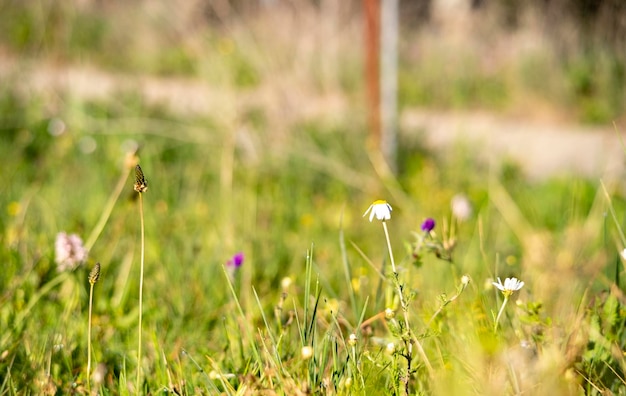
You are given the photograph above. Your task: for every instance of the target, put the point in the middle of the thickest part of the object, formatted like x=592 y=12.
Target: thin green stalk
x=346 y=267
x=93 y=278
x=448 y=301
x=89 y=341
x=613 y=214
x=393 y=263
x=141 y=186
x=225 y=384
x=405 y=311
x=495 y=326
x=140 y=292
x=19 y=318
x=253 y=346
x=108 y=208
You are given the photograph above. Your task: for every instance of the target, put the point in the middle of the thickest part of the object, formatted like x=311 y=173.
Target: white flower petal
x=379 y=209
x=368 y=210
x=498 y=284
x=510 y=285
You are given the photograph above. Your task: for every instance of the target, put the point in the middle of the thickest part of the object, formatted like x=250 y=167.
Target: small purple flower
x=428 y=225
x=236 y=261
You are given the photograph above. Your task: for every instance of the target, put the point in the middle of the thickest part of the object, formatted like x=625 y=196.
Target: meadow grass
x=315 y=307
x=324 y=302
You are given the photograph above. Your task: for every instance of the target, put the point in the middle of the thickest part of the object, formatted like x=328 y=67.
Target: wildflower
x=214 y=375
x=356 y=284
x=14 y=208
x=285 y=283
x=306 y=352
x=236 y=261
x=381 y=209
x=389 y=313
x=428 y=225
x=461 y=207
x=390 y=348
x=465 y=280
x=233 y=264
x=69 y=252
x=99 y=374
x=510 y=285
x=624 y=254
x=352 y=339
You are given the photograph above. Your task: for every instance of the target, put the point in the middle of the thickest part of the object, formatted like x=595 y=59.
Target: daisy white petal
x=379 y=209
x=510 y=285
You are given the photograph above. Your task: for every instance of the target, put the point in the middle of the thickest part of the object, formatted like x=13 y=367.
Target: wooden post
x=371 y=10
x=381 y=75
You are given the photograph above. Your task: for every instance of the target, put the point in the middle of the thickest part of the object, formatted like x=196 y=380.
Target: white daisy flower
x=381 y=209
x=510 y=285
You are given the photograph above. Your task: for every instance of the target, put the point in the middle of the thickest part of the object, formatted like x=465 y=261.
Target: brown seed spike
x=141 y=185
x=94 y=275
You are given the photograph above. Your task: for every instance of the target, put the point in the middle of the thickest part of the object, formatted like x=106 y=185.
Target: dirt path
x=542 y=149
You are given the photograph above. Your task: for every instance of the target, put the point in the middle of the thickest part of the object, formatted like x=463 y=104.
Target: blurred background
x=249 y=114
x=268 y=127
x=254 y=112
x=474 y=69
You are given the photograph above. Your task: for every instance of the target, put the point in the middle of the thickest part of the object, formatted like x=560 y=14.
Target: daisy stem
x=393 y=264
x=140 y=292
x=495 y=326
x=405 y=308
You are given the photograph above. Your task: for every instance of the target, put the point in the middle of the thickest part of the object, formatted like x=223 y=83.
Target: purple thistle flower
x=428 y=225
x=236 y=261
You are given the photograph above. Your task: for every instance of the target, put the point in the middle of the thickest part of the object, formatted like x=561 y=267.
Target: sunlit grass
x=314 y=308
x=307 y=311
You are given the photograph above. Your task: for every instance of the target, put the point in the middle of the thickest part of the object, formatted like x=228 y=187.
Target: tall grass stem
x=346 y=267
x=106 y=213
x=89 y=340
x=253 y=346
x=93 y=278
x=143 y=244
